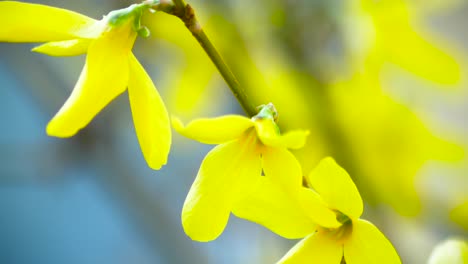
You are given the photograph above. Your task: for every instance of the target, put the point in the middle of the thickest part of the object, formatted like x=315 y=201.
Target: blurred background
x=381 y=84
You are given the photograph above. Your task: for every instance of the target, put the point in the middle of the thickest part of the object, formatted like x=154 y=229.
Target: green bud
x=267 y=111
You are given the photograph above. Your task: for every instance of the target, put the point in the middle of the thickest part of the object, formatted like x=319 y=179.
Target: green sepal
x=143 y=32
x=118 y=17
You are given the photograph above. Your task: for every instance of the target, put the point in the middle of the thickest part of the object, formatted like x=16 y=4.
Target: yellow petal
x=213 y=130
x=317 y=210
x=103 y=78
x=24 y=22
x=316 y=248
x=64 y=48
x=269 y=135
x=336 y=188
x=150 y=116
x=270 y=206
x=227 y=174
x=368 y=245
x=282 y=168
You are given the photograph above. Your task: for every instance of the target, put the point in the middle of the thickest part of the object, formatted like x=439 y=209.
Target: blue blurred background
x=92 y=199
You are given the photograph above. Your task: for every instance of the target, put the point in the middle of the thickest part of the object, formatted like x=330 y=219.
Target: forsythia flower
x=109 y=69
x=231 y=169
x=356 y=240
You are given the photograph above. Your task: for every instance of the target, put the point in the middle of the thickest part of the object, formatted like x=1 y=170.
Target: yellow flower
x=109 y=69
x=231 y=169
x=356 y=240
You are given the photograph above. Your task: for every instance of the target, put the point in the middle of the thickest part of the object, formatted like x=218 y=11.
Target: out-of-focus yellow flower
x=391 y=143
x=109 y=69
x=388 y=31
x=356 y=240
x=190 y=73
x=231 y=169
x=452 y=251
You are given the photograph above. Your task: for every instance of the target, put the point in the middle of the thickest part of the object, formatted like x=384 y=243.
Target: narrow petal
x=227 y=174
x=150 y=116
x=336 y=188
x=269 y=134
x=270 y=206
x=316 y=248
x=103 y=78
x=64 y=48
x=24 y=22
x=214 y=130
x=317 y=210
x=368 y=245
x=282 y=168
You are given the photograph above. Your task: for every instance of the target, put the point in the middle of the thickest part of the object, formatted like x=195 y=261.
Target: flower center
x=342 y=218
x=250 y=136
x=341 y=233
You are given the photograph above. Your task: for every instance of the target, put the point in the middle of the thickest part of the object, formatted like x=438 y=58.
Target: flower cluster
x=326 y=211
x=251 y=172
